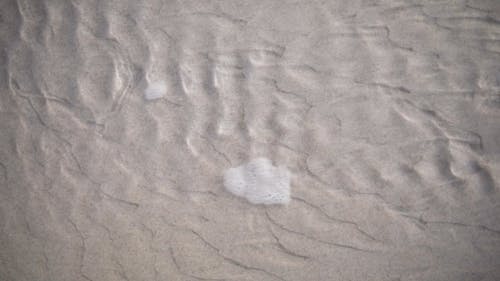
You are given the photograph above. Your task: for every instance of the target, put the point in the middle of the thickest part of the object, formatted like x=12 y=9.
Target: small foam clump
x=155 y=90
x=259 y=182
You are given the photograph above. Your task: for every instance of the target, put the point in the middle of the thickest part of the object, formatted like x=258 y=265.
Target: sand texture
x=118 y=120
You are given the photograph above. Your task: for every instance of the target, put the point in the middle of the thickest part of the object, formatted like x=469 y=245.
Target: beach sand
x=118 y=120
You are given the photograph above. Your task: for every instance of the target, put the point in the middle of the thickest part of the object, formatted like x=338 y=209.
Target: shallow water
x=386 y=113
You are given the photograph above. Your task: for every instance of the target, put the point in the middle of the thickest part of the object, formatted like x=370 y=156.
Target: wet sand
x=118 y=120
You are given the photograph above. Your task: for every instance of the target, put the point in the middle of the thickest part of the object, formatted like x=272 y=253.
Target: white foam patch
x=259 y=182
x=155 y=90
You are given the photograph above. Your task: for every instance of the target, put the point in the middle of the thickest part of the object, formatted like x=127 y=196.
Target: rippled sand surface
x=386 y=114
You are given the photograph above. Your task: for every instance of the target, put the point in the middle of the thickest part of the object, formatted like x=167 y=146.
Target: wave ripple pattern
x=119 y=118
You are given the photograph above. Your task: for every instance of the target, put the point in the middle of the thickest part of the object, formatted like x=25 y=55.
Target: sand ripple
x=385 y=113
